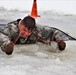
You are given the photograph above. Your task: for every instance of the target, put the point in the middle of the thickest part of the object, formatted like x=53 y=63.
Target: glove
x=61 y=45
x=8 y=48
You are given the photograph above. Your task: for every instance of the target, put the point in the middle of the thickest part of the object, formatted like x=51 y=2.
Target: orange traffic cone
x=34 y=12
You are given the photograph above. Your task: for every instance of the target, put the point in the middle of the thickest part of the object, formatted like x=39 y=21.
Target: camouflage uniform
x=11 y=31
x=49 y=33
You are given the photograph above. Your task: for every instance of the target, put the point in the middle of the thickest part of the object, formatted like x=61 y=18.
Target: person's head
x=27 y=25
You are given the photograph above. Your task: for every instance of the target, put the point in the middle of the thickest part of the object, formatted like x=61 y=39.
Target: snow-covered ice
x=37 y=59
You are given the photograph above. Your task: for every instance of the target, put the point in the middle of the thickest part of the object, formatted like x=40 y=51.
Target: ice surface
x=37 y=59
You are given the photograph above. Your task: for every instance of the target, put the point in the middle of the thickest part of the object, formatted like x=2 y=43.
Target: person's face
x=24 y=32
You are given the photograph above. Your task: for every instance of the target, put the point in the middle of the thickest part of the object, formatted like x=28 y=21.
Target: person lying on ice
x=26 y=31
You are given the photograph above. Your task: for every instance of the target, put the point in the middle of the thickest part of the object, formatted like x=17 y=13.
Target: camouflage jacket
x=11 y=31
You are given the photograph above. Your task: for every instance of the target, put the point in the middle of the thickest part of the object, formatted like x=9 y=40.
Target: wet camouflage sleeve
x=49 y=33
x=52 y=33
x=9 y=33
x=44 y=32
x=4 y=39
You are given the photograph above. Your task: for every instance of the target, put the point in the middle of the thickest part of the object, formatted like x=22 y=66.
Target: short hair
x=29 y=22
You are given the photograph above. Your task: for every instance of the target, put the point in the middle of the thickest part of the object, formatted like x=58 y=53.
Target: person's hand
x=9 y=48
x=61 y=45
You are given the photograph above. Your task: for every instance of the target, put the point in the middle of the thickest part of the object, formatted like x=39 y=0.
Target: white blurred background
x=65 y=6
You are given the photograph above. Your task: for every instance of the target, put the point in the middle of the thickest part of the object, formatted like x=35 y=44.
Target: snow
x=39 y=59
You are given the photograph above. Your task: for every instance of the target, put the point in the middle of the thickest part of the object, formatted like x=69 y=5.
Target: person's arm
x=8 y=34
x=41 y=39
x=6 y=45
x=54 y=37
x=44 y=34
